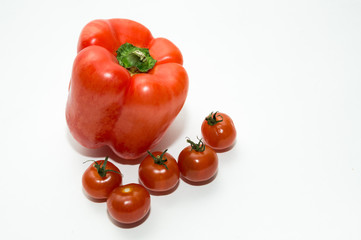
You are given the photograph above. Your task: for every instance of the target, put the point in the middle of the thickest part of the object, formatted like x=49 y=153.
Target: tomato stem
x=198 y=147
x=101 y=167
x=159 y=159
x=212 y=118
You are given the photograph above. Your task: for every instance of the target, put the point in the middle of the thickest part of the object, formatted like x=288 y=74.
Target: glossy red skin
x=198 y=166
x=108 y=106
x=97 y=187
x=129 y=203
x=156 y=177
x=220 y=136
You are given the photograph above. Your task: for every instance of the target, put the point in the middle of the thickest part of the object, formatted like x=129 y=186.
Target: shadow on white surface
x=200 y=183
x=163 y=193
x=130 y=225
x=96 y=200
x=227 y=149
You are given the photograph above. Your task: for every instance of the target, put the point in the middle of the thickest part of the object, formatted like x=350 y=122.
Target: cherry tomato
x=198 y=162
x=128 y=203
x=218 y=131
x=159 y=172
x=100 y=178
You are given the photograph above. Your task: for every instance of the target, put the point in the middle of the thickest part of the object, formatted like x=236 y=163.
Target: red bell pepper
x=126 y=87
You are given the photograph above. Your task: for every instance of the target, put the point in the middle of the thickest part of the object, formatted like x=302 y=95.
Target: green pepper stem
x=140 y=54
x=135 y=59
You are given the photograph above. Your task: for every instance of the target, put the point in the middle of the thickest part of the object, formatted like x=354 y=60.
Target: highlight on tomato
x=129 y=204
x=159 y=172
x=218 y=131
x=100 y=178
x=198 y=163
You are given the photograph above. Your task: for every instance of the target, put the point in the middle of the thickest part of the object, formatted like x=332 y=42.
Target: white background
x=287 y=72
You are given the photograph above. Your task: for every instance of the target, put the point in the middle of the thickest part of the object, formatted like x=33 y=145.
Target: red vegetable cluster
x=159 y=172
x=126 y=88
